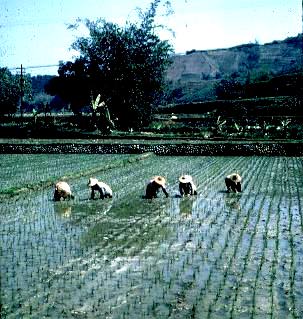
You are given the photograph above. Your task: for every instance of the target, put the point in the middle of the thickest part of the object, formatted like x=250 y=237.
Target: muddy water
x=216 y=255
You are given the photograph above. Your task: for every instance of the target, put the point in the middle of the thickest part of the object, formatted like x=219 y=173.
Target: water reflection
x=129 y=228
x=83 y=212
x=62 y=210
x=232 y=201
x=186 y=207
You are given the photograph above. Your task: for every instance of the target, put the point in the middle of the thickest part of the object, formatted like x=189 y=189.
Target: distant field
x=216 y=255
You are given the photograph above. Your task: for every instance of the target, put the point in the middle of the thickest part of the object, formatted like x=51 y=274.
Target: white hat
x=235 y=177
x=185 y=179
x=92 y=182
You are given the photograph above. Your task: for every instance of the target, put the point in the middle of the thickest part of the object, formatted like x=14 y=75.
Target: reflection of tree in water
x=128 y=229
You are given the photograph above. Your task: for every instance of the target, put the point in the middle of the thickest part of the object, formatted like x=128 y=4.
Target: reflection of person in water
x=232 y=203
x=63 y=211
x=153 y=187
x=187 y=186
x=186 y=206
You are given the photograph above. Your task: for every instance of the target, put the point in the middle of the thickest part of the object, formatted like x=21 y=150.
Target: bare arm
x=165 y=191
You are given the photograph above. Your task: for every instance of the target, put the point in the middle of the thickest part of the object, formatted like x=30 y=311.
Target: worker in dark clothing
x=154 y=185
x=187 y=186
x=233 y=182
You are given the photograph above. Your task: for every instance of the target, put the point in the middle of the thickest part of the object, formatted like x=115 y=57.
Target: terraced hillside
x=194 y=75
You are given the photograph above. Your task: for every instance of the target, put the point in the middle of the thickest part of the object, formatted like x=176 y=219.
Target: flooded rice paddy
x=215 y=255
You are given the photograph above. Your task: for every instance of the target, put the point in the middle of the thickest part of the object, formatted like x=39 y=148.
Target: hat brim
x=185 y=179
x=159 y=180
x=92 y=182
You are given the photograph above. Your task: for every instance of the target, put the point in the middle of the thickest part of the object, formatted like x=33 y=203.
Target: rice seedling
x=215 y=255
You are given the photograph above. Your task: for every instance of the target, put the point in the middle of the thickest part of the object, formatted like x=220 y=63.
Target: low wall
x=215 y=149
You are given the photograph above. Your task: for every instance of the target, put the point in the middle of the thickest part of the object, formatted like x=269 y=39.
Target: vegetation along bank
x=174 y=148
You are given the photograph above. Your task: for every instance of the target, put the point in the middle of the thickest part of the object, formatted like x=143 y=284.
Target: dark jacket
x=233 y=182
x=153 y=188
x=187 y=189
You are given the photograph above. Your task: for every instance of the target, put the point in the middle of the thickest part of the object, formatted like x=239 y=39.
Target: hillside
x=193 y=76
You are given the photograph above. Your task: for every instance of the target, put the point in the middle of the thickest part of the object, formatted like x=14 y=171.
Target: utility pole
x=21 y=91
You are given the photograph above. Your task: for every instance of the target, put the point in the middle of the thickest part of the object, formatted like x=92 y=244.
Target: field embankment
x=171 y=147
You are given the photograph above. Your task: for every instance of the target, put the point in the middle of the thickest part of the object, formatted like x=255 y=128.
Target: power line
x=35 y=67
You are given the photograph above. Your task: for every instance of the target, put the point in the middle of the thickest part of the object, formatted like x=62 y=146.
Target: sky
x=34 y=33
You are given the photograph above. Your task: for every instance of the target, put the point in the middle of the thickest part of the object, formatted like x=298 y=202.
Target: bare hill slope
x=194 y=75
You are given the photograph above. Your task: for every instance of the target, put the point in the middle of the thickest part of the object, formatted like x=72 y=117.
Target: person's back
x=104 y=190
x=62 y=191
x=153 y=187
x=233 y=182
x=187 y=186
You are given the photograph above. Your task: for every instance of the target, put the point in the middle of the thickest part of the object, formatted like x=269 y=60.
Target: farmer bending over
x=153 y=187
x=233 y=182
x=62 y=191
x=187 y=186
x=104 y=190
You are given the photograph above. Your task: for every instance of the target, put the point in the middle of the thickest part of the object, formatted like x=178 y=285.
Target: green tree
x=125 y=64
x=10 y=91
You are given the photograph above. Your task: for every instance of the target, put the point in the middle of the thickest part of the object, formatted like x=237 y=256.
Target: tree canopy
x=125 y=65
x=10 y=90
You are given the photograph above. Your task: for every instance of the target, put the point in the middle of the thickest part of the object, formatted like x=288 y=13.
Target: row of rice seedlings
x=120 y=284
x=244 y=267
x=209 y=242
x=296 y=209
x=230 y=258
x=91 y=170
x=295 y=238
x=29 y=168
x=283 y=287
x=262 y=290
x=285 y=271
x=189 y=262
x=274 y=263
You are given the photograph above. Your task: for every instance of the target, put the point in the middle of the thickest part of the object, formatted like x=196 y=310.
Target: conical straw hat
x=159 y=180
x=185 y=179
